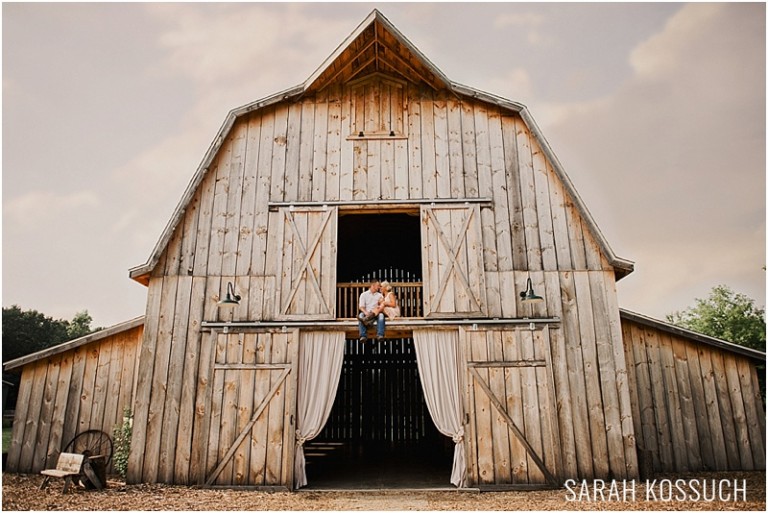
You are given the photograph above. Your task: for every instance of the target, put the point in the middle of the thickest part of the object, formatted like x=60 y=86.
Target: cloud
x=214 y=44
x=230 y=55
x=659 y=55
x=651 y=160
x=515 y=83
x=38 y=207
x=531 y=23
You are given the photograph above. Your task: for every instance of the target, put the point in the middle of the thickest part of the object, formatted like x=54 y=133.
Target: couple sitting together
x=374 y=307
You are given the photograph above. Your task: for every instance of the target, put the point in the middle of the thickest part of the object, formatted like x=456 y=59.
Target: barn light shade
x=529 y=296
x=232 y=299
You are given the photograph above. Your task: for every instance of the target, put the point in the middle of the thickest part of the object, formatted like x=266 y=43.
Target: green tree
x=80 y=325
x=725 y=315
x=29 y=331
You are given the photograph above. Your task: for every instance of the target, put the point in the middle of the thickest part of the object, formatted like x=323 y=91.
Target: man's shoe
x=363 y=340
x=379 y=338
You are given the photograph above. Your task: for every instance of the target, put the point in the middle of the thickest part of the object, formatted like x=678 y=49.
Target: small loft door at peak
x=306 y=275
x=452 y=261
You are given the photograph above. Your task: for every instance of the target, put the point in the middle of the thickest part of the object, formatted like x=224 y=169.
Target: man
x=369 y=309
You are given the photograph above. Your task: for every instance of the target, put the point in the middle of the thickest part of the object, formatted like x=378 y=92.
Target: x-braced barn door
x=452 y=261
x=306 y=274
x=513 y=432
x=250 y=431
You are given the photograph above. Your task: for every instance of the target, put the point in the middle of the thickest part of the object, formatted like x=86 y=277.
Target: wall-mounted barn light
x=232 y=299
x=529 y=295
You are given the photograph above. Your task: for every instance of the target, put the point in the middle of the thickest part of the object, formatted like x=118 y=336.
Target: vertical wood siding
x=84 y=388
x=695 y=407
x=444 y=147
x=249 y=434
x=513 y=432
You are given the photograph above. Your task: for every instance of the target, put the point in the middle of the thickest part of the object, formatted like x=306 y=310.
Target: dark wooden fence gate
x=379 y=398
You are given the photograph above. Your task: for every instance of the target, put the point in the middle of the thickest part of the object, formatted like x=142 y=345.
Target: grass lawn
x=6 y=438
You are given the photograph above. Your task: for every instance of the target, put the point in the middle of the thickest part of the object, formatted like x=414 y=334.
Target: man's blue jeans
x=379 y=325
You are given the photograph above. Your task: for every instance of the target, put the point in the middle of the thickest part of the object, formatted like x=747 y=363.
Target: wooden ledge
x=394 y=328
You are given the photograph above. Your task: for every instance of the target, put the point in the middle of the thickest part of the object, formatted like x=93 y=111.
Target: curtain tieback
x=300 y=440
x=458 y=438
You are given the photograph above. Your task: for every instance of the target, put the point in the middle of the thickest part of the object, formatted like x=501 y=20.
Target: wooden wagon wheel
x=91 y=443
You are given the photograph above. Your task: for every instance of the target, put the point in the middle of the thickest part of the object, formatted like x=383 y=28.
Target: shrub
x=122 y=441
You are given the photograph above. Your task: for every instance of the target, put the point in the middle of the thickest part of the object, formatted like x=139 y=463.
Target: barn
x=511 y=366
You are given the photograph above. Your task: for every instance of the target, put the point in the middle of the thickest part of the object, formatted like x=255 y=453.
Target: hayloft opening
x=379 y=433
x=379 y=246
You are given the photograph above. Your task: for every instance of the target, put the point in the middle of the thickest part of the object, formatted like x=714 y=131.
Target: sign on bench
x=68 y=466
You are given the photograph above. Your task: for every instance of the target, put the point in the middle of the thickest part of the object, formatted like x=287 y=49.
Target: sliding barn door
x=513 y=434
x=452 y=261
x=306 y=274
x=250 y=430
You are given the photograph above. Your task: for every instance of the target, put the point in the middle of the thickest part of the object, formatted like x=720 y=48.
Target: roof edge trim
x=221 y=136
x=465 y=90
x=622 y=264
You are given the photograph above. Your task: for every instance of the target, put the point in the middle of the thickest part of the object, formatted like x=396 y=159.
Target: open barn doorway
x=368 y=243
x=379 y=433
x=381 y=246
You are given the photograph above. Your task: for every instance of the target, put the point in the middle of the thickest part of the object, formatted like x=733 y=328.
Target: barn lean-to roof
x=375 y=46
x=754 y=354
x=75 y=343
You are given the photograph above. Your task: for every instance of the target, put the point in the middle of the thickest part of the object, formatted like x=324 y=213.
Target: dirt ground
x=21 y=492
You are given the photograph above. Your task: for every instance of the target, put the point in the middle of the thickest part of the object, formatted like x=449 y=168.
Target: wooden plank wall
x=84 y=388
x=309 y=150
x=515 y=367
x=249 y=437
x=695 y=407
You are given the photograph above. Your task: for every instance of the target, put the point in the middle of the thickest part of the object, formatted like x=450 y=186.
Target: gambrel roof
x=375 y=46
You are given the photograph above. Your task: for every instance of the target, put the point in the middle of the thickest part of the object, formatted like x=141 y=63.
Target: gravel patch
x=21 y=492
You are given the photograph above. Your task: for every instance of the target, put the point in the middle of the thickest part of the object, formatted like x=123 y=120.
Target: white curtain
x=321 y=355
x=437 y=359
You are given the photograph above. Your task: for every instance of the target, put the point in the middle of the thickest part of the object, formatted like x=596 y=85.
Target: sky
x=655 y=110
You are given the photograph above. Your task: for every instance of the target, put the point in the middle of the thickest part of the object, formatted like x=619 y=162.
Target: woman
x=389 y=304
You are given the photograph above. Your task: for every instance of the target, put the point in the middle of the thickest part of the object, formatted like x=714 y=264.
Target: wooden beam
x=347 y=64
x=415 y=203
x=513 y=363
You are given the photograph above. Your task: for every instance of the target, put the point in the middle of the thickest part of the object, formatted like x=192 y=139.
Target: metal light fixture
x=232 y=299
x=529 y=296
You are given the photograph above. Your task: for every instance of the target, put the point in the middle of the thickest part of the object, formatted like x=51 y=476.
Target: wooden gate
x=306 y=274
x=452 y=261
x=379 y=398
x=250 y=431
x=513 y=431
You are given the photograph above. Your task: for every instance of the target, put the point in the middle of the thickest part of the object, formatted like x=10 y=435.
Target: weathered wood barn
x=379 y=166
